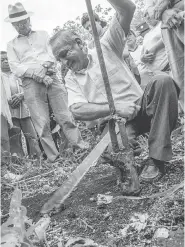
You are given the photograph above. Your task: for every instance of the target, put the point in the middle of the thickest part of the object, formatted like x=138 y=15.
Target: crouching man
x=153 y=111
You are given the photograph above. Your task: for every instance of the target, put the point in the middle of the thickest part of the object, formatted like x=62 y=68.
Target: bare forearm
x=125 y=10
x=122 y=5
x=89 y=111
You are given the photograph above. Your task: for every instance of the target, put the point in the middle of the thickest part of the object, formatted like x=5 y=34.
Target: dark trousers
x=158 y=116
x=26 y=125
x=5 y=144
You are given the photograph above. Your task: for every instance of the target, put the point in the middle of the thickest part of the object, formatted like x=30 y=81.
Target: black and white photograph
x=92 y=123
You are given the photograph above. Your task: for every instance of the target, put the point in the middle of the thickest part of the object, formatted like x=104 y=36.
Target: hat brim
x=20 y=18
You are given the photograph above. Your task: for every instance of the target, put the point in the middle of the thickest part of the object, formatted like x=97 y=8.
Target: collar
x=20 y=35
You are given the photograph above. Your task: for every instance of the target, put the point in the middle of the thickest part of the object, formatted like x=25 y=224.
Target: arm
x=16 y=66
x=157 y=47
x=115 y=36
x=124 y=11
x=89 y=111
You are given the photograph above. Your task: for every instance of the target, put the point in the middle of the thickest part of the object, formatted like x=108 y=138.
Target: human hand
x=47 y=81
x=39 y=74
x=16 y=100
x=127 y=110
x=148 y=57
x=172 y=18
x=159 y=8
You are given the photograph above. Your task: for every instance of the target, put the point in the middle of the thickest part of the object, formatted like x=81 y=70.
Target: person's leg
x=58 y=100
x=174 y=45
x=5 y=144
x=36 y=99
x=159 y=107
x=15 y=138
x=30 y=136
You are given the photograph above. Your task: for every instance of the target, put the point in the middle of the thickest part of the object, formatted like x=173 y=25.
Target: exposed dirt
x=81 y=217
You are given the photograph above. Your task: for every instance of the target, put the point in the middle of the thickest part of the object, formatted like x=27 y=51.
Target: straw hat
x=17 y=12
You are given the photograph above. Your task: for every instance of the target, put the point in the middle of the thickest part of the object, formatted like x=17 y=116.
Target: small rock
x=104 y=199
x=161 y=233
x=46 y=187
x=72 y=215
x=106 y=216
x=174 y=228
x=92 y=199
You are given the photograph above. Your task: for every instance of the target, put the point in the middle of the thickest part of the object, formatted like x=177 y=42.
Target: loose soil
x=81 y=217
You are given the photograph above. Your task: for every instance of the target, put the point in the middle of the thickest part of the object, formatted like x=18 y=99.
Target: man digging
x=154 y=110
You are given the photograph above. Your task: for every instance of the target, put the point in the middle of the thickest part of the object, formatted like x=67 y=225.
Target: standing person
x=6 y=121
x=20 y=114
x=135 y=50
x=151 y=56
x=31 y=59
x=171 y=13
x=154 y=111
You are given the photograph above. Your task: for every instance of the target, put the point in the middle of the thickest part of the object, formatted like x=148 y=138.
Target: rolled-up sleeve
x=115 y=37
x=75 y=95
x=16 y=66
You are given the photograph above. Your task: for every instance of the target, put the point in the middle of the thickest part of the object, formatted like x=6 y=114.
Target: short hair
x=66 y=37
x=85 y=18
x=3 y=52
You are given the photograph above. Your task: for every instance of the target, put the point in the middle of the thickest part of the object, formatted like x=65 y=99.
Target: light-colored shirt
x=13 y=85
x=151 y=38
x=5 y=96
x=88 y=86
x=30 y=51
x=145 y=73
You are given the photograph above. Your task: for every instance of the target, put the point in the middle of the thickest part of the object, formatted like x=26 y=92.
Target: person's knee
x=164 y=80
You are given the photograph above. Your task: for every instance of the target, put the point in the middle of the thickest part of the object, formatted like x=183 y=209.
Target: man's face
x=88 y=27
x=4 y=63
x=131 y=40
x=73 y=56
x=22 y=27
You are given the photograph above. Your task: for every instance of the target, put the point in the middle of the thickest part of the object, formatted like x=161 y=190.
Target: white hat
x=17 y=13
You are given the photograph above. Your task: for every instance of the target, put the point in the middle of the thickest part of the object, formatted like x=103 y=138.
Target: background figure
x=153 y=52
x=6 y=123
x=171 y=14
x=20 y=114
x=135 y=52
x=34 y=62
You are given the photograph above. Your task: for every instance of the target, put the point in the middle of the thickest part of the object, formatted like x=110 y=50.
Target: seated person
x=154 y=110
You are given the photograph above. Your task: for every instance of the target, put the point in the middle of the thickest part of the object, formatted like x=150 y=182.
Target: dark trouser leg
x=158 y=115
x=5 y=144
x=30 y=136
x=174 y=45
x=15 y=138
